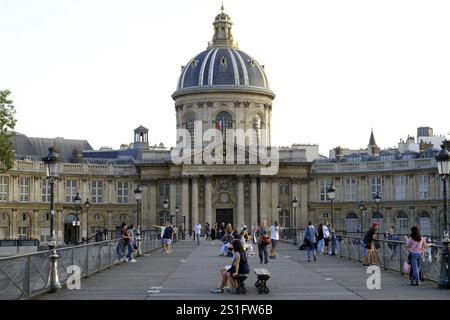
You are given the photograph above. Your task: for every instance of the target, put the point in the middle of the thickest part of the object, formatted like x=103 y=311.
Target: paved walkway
x=191 y=271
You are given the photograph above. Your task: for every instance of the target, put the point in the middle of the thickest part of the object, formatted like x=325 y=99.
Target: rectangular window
x=400 y=187
x=3 y=188
x=164 y=191
x=22 y=233
x=122 y=192
x=350 y=189
x=71 y=190
x=323 y=185
x=97 y=191
x=284 y=188
x=45 y=188
x=24 y=187
x=423 y=187
x=376 y=186
x=45 y=234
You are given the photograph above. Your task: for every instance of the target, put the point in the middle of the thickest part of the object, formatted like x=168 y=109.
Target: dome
x=222 y=67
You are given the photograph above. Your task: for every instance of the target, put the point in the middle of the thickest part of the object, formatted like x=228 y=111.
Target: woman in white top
x=274 y=237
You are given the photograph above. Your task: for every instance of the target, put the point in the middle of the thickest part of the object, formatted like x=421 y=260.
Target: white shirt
x=326 y=232
x=198 y=228
x=274 y=232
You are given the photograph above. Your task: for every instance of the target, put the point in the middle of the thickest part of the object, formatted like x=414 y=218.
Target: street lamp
x=295 y=205
x=51 y=162
x=137 y=195
x=443 y=164
x=331 y=193
x=87 y=204
x=362 y=208
x=165 y=206
x=76 y=225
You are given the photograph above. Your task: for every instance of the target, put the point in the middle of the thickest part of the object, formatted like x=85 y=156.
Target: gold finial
x=222 y=7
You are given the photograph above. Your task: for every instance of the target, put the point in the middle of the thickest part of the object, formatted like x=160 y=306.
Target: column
x=15 y=190
x=146 y=221
x=302 y=215
x=185 y=201
x=240 y=202
x=263 y=198
x=173 y=199
x=273 y=215
x=37 y=194
x=13 y=232
x=253 y=200
x=194 y=201
x=59 y=225
x=154 y=217
x=208 y=201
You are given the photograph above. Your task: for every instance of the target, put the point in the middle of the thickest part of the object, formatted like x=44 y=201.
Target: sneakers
x=315 y=259
x=132 y=261
x=217 y=290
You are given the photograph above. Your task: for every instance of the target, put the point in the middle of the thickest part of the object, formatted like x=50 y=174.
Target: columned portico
x=194 y=201
x=185 y=200
x=208 y=201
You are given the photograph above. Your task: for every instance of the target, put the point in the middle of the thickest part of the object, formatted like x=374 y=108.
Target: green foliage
x=7 y=124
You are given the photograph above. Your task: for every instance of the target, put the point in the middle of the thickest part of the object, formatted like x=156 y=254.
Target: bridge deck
x=191 y=271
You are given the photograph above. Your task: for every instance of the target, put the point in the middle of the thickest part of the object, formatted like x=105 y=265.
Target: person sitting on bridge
x=238 y=266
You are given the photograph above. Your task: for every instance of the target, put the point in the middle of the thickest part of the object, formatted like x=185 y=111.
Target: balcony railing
x=76 y=168
x=319 y=167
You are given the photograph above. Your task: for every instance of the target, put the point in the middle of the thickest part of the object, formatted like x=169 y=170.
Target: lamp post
x=76 y=221
x=331 y=193
x=87 y=204
x=137 y=195
x=362 y=208
x=51 y=161
x=165 y=206
x=295 y=205
x=443 y=164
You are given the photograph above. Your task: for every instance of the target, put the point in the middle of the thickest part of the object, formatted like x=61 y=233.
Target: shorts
x=166 y=241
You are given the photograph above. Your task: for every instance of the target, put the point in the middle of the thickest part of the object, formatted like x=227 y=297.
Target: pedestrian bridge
x=191 y=271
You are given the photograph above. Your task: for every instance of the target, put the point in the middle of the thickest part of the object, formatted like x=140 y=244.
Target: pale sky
x=97 y=69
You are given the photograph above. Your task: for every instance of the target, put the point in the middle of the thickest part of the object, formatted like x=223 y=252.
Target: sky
x=98 y=69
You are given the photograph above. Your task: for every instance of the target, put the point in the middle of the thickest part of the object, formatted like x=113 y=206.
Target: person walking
x=263 y=242
x=167 y=238
x=371 y=256
x=415 y=246
x=274 y=237
x=320 y=238
x=198 y=231
x=214 y=232
x=132 y=236
x=310 y=240
x=207 y=232
x=326 y=236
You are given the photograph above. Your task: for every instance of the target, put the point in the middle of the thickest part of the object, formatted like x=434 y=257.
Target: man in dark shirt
x=167 y=238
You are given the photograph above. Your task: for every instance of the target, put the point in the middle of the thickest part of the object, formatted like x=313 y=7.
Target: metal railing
x=392 y=254
x=26 y=276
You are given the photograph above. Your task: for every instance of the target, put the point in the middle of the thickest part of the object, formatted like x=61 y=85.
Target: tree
x=7 y=124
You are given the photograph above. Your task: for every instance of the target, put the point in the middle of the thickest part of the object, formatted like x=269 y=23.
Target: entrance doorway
x=71 y=229
x=224 y=215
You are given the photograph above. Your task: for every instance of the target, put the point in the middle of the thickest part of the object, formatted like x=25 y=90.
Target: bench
x=240 y=279
x=263 y=275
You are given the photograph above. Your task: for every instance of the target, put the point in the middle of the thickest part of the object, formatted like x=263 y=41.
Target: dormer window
x=251 y=62
x=194 y=63
x=223 y=61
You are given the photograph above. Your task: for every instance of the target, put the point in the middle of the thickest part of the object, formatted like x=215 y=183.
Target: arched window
x=351 y=223
x=224 y=121
x=256 y=126
x=402 y=223
x=378 y=218
x=284 y=188
x=425 y=224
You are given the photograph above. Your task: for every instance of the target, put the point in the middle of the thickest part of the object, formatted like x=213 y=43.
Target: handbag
x=265 y=241
x=406 y=267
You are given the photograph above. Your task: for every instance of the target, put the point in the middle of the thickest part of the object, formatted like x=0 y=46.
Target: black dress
x=244 y=268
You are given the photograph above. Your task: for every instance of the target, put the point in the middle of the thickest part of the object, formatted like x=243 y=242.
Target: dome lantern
x=222 y=31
